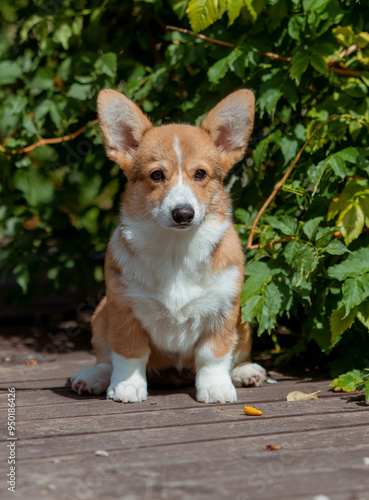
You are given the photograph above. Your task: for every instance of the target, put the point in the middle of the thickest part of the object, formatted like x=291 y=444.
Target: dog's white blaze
x=177 y=149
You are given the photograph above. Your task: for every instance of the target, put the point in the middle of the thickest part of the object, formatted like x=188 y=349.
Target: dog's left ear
x=230 y=124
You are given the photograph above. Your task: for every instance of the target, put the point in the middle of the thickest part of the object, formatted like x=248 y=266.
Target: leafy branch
x=280 y=183
x=53 y=140
x=342 y=70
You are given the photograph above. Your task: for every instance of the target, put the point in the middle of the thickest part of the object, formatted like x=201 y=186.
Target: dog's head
x=175 y=172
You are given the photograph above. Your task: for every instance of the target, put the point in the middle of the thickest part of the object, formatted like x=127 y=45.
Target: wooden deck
x=173 y=448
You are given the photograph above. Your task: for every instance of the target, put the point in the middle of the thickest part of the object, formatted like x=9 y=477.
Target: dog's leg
x=213 y=380
x=130 y=353
x=213 y=362
x=128 y=382
x=95 y=379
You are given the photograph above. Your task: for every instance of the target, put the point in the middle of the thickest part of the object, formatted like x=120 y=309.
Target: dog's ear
x=122 y=125
x=230 y=124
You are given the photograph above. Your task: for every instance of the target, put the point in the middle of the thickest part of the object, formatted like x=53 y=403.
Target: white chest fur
x=169 y=283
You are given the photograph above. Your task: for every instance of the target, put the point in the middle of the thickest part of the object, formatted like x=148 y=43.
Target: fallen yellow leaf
x=271 y=447
x=301 y=396
x=250 y=410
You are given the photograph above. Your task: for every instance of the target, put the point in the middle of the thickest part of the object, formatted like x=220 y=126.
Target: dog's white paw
x=223 y=392
x=128 y=392
x=248 y=374
x=92 y=379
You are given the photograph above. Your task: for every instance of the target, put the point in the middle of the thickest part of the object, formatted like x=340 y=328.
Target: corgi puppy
x=174 y=265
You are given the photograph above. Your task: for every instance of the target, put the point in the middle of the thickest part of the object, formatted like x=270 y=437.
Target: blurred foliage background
x=307 y=271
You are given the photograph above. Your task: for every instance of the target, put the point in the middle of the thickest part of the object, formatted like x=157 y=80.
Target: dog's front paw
x=248 y=374
x=127 y=392
x=224 y=392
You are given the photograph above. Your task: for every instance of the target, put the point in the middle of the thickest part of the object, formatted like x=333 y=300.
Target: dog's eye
x=200 y=174
x=157 y=175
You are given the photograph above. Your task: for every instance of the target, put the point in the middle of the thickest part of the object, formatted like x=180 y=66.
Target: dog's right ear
x=122 y=125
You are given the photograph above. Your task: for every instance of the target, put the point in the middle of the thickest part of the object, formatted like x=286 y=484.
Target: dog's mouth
x=181 y=227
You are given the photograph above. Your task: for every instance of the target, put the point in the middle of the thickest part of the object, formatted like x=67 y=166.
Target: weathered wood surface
x=178 y=449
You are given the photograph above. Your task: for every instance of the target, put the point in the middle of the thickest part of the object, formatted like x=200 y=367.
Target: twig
x=271 y=243
x=203 y=37
x=345 y=53
x=54 y=140
x=275 y=56
x=280 y=183
x=345 y=71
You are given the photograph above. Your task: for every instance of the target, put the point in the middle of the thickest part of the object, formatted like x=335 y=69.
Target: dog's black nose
x=183 y=214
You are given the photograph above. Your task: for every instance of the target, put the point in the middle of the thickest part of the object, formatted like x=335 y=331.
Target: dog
x=174 y=265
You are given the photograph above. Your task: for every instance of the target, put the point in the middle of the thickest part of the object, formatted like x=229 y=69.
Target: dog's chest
x=176 y=296
x=177 y=308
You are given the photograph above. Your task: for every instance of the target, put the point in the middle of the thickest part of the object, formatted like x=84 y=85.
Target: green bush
x=307 y=61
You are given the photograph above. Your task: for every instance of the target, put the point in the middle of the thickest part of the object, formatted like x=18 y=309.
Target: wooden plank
x=51 y=424
x=94 y=407
x=62 y=367
x=62 y=394
x=199 y=469
x=93 y=439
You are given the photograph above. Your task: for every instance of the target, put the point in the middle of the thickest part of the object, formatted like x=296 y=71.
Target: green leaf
x=35 y=187
x=250 y=8
x=260 y=269
x=80 y=92
x=106 y=64
x=179 y=7
x=318 y=62
x=311 y=227
x=338 y=165
x=252 y=286
x=349 y=154
x=251 y=308
x=323 y=236
x=349 y=381
x=340 y=322
x=271 y=305
x=43 y=79
x=218 y=70
x=315 y=5
x=336 y=247
x=9 y=72
x=288 y=147
x=269 y=98
x=302 y=257
x=296 y=25
x=356 y=264
x=363 y=313
x=355 y=291
x=234 y=9
x=63 y=35
x=351 y=222
x=21 y=275
x=299 y=62
x=363 y=201
x=203 y=13
x=286 y=224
